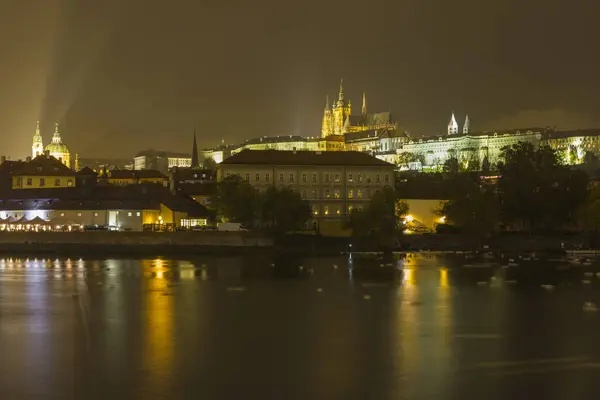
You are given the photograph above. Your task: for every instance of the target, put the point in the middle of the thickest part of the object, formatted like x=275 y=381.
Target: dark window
x=42 y=182
x=57 y=182
x=29 y=182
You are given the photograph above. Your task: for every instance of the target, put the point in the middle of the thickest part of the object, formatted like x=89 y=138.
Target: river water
x=281 y=328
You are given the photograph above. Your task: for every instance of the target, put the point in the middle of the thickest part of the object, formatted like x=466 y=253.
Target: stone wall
x=237 y=239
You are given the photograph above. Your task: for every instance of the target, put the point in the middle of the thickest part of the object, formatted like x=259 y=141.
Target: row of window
x=327 y=210
x=129 y=214
x=327 y=178
x=29 y=182
x=336 y=194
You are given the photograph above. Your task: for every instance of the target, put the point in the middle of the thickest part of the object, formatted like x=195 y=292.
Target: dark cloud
x=124 y=75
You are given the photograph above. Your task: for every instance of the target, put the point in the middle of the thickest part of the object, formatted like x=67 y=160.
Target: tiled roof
x=277 y=157
x=40 y=166
x=137 y=174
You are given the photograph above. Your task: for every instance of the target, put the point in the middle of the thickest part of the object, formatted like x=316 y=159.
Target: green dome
x=57 y=148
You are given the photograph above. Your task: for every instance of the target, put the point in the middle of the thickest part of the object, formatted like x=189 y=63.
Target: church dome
x=57 y=148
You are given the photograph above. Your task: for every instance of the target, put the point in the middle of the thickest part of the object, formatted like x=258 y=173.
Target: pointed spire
x=341 y=94
x=195 y=161
x=37 y=129
x=466 y=126
x=364 y=104
x=452 y=125
x=56 y=136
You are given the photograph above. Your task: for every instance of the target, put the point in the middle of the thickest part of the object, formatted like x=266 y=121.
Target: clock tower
x=37 y=148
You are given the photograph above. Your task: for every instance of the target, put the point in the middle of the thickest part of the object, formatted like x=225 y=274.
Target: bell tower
x=37 y=148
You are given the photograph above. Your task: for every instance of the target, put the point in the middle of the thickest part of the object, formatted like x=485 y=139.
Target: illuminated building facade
x=339 y=120
x=161 y=160
x=333 y=182
x=43 y=171
x=56 y=148
x=293 y=143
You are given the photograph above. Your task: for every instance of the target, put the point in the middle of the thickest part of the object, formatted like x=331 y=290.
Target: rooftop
x=41 y=166
x=277 y=157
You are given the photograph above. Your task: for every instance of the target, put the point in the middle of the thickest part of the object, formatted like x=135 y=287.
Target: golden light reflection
x=158 y=353
x=444 y=277
x=408 y=277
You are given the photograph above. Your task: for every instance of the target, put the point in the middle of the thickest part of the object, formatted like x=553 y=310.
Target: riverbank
x=94 y=243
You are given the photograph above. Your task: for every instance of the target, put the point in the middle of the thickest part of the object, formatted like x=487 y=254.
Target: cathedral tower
x=58 y=149
x=452 y=126
x=37 y=148
x=327 y=124
x=341 y=111
x=466 y=125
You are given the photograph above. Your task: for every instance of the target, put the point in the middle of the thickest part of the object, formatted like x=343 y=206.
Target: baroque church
x=338 y=119
x=56 y=148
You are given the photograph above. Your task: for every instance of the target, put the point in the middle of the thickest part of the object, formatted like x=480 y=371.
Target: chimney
x=60 y=159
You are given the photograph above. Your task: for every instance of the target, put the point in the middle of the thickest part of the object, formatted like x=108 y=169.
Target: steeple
x=195 y=161
x=56 y=137
x=37 y=147
x=466 y=125
x=452 y=126
x=341 y=94
x=364 y=105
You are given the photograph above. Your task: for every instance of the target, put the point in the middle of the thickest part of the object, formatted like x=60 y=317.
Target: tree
x=209 y=163
x=380 y=219
x=473 y=207
x=236 y=200
x=283 y=210
x=451 y=165
x=535 y=190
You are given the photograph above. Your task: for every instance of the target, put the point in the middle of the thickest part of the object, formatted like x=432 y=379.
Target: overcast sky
x=126 y=75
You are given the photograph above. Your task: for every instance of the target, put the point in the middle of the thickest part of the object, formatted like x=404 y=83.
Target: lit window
x=138 y=214
x=326 y=210
x=337 y=211
x=337 y=178
x=315 y=211
x=336 y=193
x=327 y=193
x=351 y=194
x=129 y=214
x=69 y=182
x=349 y=209
x=62 y=214
x=350 y=178
x=359 y=194
x=79 y=214
x=95 y=214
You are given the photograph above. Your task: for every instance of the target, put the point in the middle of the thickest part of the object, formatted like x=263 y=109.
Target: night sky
x=126 y=75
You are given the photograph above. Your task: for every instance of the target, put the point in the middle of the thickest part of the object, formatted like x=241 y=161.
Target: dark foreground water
x=232 y=328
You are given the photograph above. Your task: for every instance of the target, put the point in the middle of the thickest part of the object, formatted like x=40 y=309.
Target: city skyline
x=111 y=75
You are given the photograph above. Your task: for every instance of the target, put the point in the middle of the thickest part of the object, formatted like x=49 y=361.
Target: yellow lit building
x=56 y=148
x=338 y=119
x=122 y=177
x=41 y=172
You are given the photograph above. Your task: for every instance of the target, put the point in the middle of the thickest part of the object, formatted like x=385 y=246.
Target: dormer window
x=39 y=169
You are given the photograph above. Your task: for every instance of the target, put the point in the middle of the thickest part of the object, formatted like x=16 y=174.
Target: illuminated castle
x=56 y=148
x=338 y=119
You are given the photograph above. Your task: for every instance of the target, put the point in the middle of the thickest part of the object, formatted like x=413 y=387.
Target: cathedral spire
x=195 y=161
x=452 y=125
x=56 y=136
x=364 y=104
x=466 y=125
x=341 y=94
x=37 y=129
x=37 y=147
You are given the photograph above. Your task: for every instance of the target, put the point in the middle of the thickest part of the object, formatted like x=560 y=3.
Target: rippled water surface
x=282 y=328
